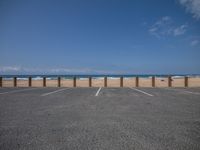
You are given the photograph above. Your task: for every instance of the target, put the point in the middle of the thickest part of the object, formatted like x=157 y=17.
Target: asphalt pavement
x=100 y=118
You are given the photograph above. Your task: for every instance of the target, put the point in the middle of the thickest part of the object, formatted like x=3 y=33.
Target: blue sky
x=99 y=37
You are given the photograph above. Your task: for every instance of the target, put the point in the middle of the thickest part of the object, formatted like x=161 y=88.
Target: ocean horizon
x=111 y=76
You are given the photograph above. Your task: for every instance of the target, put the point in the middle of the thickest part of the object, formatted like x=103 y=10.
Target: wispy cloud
x=192 y=6
x=68 y=70
x=180 y=30
x=63 y=70
x=79 y=71
x=161 y=27
x=165 y=26
x=10 y=69
x=194 y=42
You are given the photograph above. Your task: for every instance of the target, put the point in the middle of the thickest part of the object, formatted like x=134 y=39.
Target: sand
x=51 y=83
x=37 y=83
x=194 y=82
x=66 y=83
x=145 y=82
x=178 y=82
x=97 y=82
x=161 y=82
x=127 y=82
x=113 y=82
x=7 y=83
x=22 y=83
x=82 y=83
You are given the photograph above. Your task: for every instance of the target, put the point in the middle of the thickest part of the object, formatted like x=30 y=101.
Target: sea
x=84 y=77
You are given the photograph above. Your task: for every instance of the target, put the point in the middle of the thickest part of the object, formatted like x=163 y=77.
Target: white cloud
x=78 y=71
x=180 y=30
x=194 y=42
x=192 y=6
x=166 y=27
x=161 y=27
x=10 y=69
x=69 y=70
x=166 y=18
x=64 y=70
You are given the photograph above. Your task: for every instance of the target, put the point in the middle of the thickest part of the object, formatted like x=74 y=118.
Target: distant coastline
x=114 y=76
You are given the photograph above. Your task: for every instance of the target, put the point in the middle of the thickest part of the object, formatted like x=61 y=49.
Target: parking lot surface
x=100 y=118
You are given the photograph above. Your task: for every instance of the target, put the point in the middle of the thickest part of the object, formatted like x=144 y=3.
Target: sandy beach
x=113 y=82
x=82 y=83
x=127 y=82
x=98 y=82
x=161 y=82
x=194 y=82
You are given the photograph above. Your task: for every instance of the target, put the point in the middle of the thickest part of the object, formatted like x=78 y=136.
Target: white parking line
x=16 y=91
x=97 y=93
x=184 y=91
x=45 y=94
x=141 y=91
x=192 y=92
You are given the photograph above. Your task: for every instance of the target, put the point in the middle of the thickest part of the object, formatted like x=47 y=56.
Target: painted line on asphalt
x=184 y=91
x=49 y=93
x=97 y=93
x=141 y=91
x=17 y=91
x=192 y=92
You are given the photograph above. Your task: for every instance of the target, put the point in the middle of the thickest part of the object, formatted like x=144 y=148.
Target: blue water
x=93 y=76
